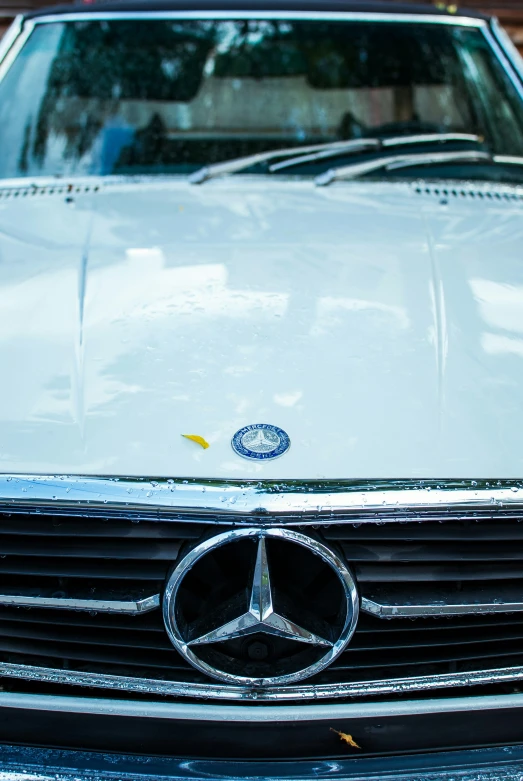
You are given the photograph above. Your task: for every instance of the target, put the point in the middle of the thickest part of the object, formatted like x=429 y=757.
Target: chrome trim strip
x=9 y=57
x=302 y=693
x=505 y=63
x=334 y=16
x=291 y=503
x=184 y=711
x=10 y=35
x=506 y=45
x=381 y=610
x=127 y=607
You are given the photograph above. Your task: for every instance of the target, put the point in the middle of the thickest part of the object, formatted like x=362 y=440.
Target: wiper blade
x=427 y=138
x=402 y=161
x=508 y=160
x=241 y=163
x=304 y=154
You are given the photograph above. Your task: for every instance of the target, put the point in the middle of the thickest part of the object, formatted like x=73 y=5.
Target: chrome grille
x=436 y=562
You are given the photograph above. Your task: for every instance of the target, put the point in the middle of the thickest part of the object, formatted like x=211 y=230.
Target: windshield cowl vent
x=487 y=195
x=31 y=191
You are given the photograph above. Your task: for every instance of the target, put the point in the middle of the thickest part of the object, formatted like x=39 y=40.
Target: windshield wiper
x=318 y=151
x=427 y=138
x=508 y=159
x=241 y=163
x=392 y=162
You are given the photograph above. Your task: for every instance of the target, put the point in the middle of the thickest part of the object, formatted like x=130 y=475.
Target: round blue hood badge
x=260 y=441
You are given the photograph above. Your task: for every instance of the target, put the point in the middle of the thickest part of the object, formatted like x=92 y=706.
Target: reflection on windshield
x=165 y=96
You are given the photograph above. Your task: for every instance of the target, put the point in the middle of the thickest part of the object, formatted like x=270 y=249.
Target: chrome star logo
x=215 y=618
x=260 y=441
x=261 y=616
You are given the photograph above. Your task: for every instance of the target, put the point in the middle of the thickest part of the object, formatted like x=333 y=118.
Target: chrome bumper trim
x=284 y=693
x=262 y=503
x=182 y=711
x=128 y=607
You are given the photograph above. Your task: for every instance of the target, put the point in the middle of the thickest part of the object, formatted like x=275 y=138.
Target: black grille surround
x=68 y=554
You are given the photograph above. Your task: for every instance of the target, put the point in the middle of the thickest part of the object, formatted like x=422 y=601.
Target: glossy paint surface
x=381 y=328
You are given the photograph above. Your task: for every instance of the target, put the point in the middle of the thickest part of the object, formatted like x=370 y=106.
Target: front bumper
x=225 y=732
x=33 y=764
x=472 y=738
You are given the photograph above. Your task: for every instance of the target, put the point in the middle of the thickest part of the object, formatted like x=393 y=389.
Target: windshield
x=167 y=96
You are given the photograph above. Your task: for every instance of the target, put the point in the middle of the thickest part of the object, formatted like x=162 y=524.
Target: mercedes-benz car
x=261 y=392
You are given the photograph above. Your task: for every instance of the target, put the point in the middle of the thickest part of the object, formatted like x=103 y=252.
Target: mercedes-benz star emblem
x=229 y=610
x=261 y=441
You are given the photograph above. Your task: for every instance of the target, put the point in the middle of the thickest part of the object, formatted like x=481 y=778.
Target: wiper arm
x=241 y=163
x=304 y=154
x=426 y=138
x=508 y=160
x=402 y=161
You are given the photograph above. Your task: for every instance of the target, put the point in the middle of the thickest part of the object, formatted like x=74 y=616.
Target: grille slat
x=432 y=572
x=116 y=549
x=90 y=555
x=435 y=552
x=108 y=569
x=452 y=637
x=425 y=531
x=406 y=654
x=62 y=526
x=354 y=659
x=119 y=630
x=135 y=639
x=71 y=619
x=157 y=640
x=119 y=656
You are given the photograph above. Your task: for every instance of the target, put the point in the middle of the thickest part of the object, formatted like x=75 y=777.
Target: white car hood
x=380 y=327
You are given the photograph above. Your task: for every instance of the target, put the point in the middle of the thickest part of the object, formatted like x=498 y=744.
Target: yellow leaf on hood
x=199 y=440
x=346 y=738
